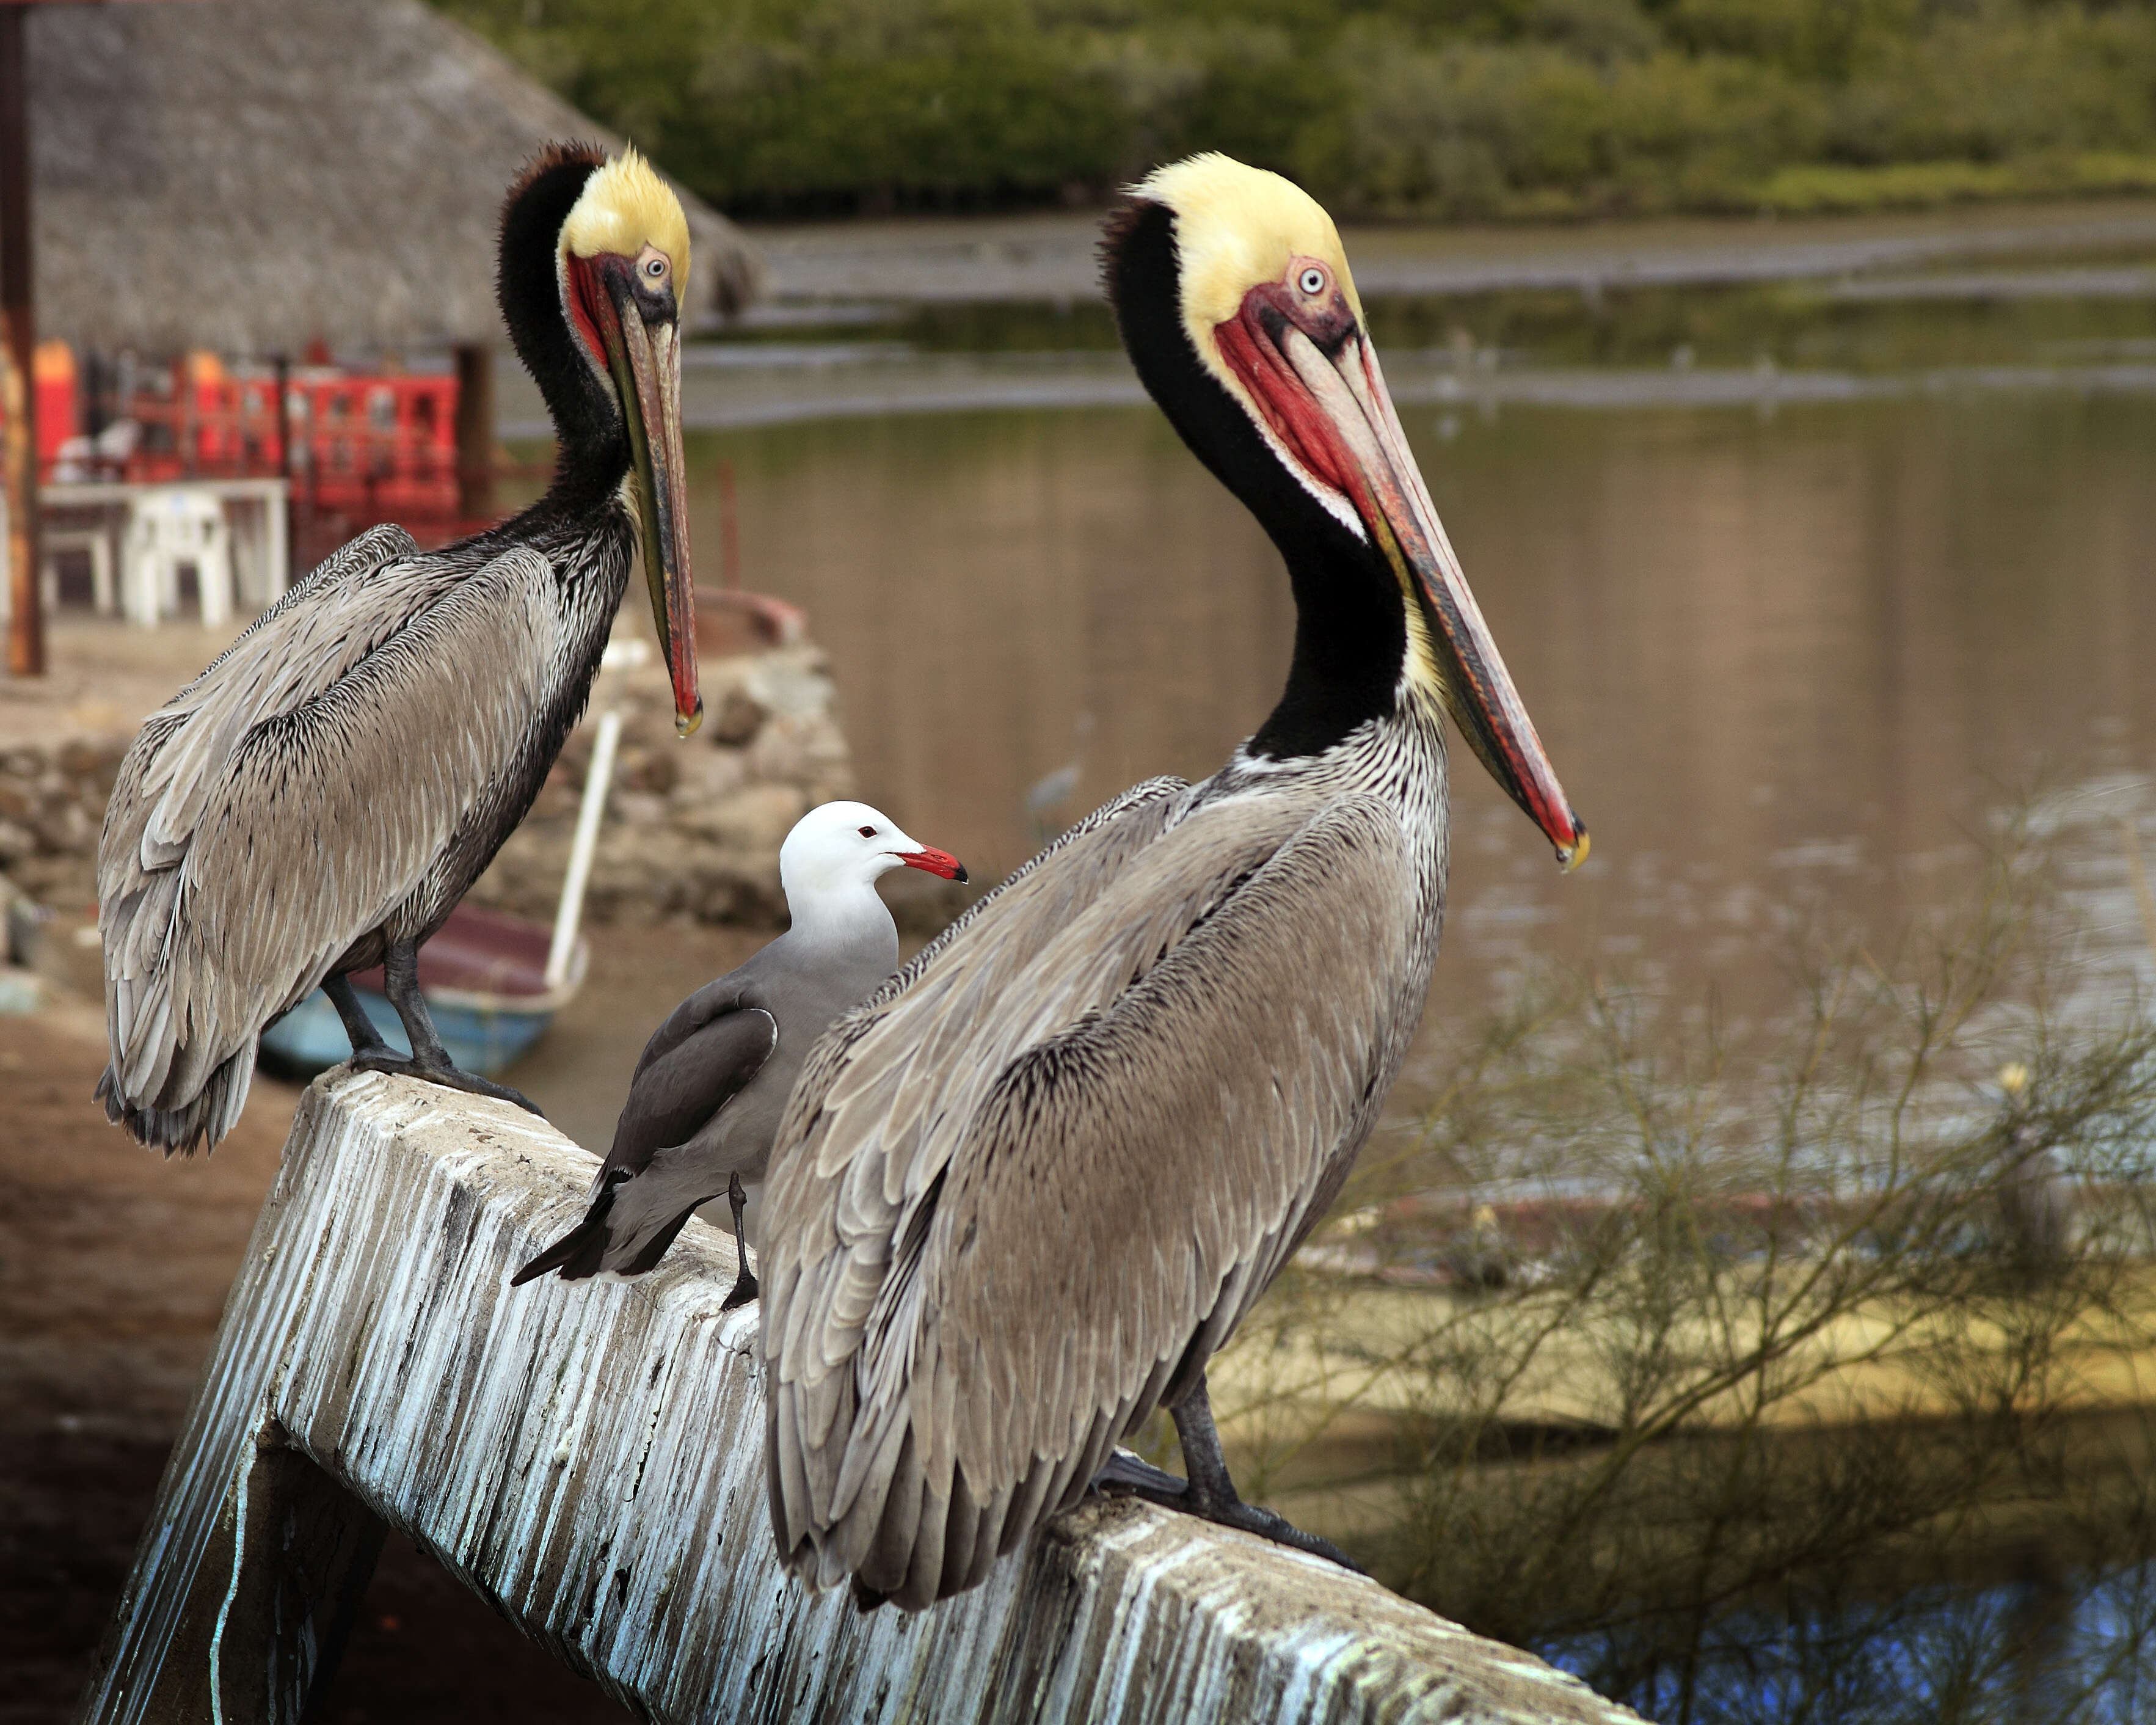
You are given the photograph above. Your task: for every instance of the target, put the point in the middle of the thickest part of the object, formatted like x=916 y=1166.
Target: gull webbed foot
x=743 y=1290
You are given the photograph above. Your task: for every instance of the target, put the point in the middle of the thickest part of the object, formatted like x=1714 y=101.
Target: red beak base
x=935 y=862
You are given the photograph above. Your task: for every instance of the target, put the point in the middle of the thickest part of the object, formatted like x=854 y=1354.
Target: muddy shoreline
x=1052 y=257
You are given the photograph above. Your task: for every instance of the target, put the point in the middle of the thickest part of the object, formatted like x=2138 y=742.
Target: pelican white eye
x=1311 y=282
x=868 y=832
x=656 y=268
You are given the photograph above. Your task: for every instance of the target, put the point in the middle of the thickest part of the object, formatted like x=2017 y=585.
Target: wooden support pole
x=280 y=526
x=19 y=397
x=588 y=1456
x=475 y=432
x=282 y=1577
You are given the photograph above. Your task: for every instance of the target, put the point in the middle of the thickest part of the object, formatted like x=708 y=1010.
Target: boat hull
x=311 y=1039
x=484 y=979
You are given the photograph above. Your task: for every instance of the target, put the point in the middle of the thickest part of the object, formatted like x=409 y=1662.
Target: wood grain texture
x=588 y=1457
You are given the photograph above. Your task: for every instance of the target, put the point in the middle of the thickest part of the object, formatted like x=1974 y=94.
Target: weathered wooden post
x=19 y=337
x=589 y=1458
x=475 y=431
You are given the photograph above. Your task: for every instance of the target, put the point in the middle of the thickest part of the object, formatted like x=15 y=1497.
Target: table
x=103 y=516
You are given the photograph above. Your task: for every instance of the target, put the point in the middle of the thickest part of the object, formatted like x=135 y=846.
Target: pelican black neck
x=587 y=422
x=1350 y=622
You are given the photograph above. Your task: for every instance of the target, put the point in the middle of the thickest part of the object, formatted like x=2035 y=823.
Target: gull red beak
x=934 y=862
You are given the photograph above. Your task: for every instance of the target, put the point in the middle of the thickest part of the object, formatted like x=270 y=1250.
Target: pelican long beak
x=1333 y=413
x=644 y=359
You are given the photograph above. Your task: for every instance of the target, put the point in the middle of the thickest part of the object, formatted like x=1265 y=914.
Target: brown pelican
x=715 y=1077
x=1026 y=1190
x=318 y=800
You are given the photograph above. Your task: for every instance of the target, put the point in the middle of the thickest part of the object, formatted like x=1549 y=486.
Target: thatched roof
x=250 y=175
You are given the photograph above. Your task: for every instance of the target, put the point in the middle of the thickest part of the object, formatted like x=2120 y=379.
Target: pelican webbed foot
x=429 y=1058
x=447 y=1075
x=745 y=1288
x=1209 y=1493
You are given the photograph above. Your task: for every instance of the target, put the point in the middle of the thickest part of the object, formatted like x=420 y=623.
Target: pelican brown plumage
x=317 y=800
x=1024 y=1192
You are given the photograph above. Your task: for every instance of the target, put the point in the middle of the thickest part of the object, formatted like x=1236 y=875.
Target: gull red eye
x=1311 y=282
x=868 y=832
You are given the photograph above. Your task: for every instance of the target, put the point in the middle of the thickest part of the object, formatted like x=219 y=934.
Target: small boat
x=485 y=978
x=493 y=981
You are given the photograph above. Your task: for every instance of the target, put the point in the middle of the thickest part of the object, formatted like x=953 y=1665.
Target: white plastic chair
x=55 y=542
x=170 y=528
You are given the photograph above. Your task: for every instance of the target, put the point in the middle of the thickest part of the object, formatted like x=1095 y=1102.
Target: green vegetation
x=1387 y=108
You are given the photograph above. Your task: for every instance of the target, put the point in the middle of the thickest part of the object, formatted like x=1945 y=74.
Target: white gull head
x=835 y=852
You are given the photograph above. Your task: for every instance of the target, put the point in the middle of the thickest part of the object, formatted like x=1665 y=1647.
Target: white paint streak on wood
x=590 y=1458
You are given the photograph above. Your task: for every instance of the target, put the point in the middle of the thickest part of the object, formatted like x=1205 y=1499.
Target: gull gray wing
x=281 y=806
x=709 y=1051
x=706 y=1053
x=971 y=1290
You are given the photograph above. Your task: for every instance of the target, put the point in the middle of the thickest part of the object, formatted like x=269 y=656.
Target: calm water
x=1800 y=583
x=1775 y=655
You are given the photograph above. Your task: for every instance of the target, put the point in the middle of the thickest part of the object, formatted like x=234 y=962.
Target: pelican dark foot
x=1129 y=1476
x=449 y=1076
x=745 y=1288
x=429 y=1058
x=1209 y=1493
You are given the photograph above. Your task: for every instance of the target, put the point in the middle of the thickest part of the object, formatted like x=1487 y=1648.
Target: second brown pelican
x=1024 y=1192
x=317 y=801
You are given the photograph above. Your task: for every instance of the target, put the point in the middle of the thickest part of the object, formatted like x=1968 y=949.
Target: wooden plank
x=475 y=431
x=19 y=397
x=589 y=1458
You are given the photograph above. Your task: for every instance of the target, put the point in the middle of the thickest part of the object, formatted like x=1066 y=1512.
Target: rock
x=97 y=762
x=653 y=770
x=740 y=717
x=638 y=809
x=693 y=828
x=64 y=828
x=921 y=903
x=708 y=776
x=755 y=818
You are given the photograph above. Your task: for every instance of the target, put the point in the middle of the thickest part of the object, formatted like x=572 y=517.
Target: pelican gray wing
x=286 y=802
x=1027 y=907
x=229 y=683
x=970 y=1291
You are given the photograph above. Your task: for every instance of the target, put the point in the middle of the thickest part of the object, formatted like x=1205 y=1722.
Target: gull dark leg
x=745 y=1288
x=430 y=1060
x=1210 y=1492
x=366 y=1039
